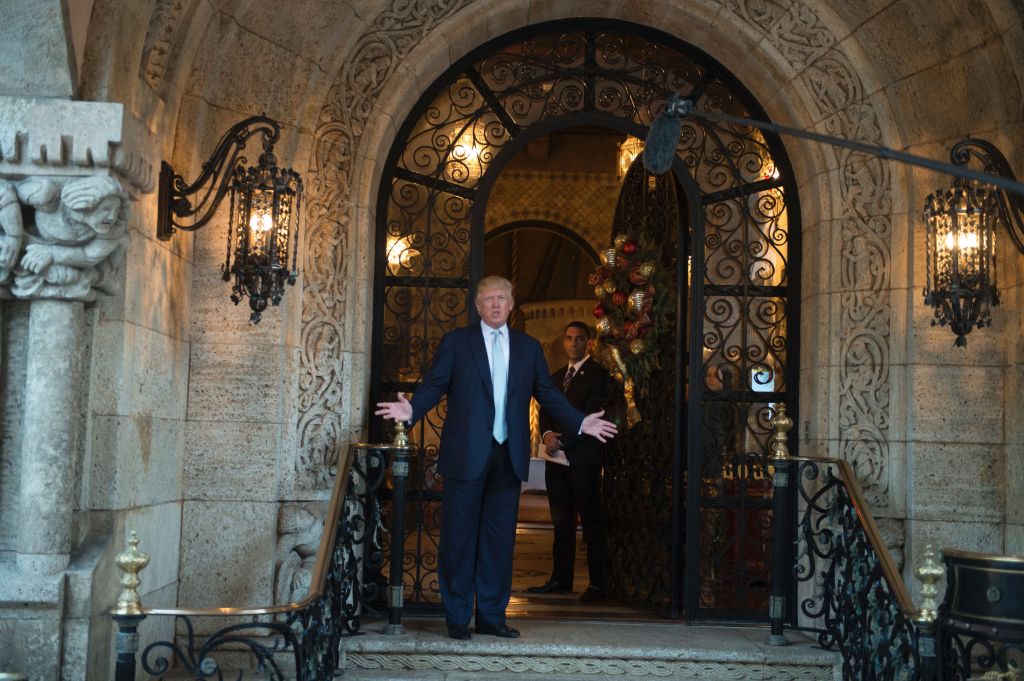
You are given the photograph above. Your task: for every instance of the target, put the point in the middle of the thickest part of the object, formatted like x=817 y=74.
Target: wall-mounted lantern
x=264 y=217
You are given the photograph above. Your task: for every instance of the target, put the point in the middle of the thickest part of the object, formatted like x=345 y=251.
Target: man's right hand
x=551 y=441
x=396 y=411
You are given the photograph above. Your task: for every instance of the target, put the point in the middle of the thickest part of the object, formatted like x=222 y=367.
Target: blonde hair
x=494 y=281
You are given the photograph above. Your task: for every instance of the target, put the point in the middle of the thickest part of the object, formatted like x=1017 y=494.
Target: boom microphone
x=663 y=137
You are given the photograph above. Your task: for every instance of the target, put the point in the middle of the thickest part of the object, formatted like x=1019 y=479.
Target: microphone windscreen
x=660 y=147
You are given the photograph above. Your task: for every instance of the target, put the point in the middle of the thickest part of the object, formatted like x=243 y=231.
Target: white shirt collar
x=577 y=365
x=487 y=329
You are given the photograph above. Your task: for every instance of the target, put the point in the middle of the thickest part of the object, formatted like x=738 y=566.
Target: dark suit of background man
x=489 y=373
x=576 y=488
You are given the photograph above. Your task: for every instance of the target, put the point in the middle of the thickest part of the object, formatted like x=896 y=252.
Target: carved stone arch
x=815 y=85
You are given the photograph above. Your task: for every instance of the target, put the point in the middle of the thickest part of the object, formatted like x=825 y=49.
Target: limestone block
x=135 y=461
x=30 y=642
x=215 y=319
x=136 y=370
x=227 y=553
x=1015 y=540
x=37 y=58
x=956 y=404
x=159 y=528
x=228 y=461
x=308 y=29
x=956 y=480
x=508 y=16
x=983 y=537
x=951 y=28
x=155 y=294
x=467 y=30
x=597 y=8
x=1014 y=480
x=272 y=78
x=236 y=382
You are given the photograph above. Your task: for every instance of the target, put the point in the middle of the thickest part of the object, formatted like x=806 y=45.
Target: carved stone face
x=103 y=217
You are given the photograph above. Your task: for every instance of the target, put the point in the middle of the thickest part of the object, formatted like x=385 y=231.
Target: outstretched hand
x=596 y=426
x=396 y=411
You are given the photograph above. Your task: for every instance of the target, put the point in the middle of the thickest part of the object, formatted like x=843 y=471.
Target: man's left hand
x=596 y=426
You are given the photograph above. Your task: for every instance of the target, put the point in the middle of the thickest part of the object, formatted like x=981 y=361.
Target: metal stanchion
x=400 y=451
x=781 y=519
x=128 y=613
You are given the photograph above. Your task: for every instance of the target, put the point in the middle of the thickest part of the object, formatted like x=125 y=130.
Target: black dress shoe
x=592 y=594
x=497 y=630
x=460 y=632
x=549 y=587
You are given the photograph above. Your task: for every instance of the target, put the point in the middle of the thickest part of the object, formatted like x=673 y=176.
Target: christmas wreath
x=630 y=288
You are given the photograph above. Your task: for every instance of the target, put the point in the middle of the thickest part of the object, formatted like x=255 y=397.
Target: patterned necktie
x=568 y=378
x=499 y=377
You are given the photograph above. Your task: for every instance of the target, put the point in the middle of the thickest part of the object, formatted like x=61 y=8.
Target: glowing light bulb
x=261 y=221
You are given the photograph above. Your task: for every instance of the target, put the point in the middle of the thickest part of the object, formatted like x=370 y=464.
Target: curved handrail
x=323 y=555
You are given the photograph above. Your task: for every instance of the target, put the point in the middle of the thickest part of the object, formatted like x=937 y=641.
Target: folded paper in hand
x=558 y=457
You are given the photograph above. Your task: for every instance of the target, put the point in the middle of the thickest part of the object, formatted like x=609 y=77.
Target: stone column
x=52 y=425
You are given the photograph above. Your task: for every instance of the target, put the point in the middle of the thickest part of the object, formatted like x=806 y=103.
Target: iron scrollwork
x=853 y=607
x=307 y=637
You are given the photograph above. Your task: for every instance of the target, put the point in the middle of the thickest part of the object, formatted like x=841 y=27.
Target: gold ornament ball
x=647 y=268
x=637 y=346
x=608 y=286
x=599 y=291
x=637 y=299
x=604 y=326
x=619 y=240
x=608 y=257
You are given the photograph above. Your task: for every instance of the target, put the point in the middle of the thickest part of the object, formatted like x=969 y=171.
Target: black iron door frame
x=432 y=204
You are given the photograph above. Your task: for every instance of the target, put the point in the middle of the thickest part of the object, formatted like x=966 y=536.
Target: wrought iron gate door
x=741 y=212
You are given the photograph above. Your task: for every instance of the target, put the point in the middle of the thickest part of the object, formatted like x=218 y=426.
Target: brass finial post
x=930 y=571
x=131 y=561
x=780 y=423
x=401 y=440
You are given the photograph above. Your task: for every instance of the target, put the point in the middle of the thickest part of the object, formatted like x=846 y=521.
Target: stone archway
x=808 y=78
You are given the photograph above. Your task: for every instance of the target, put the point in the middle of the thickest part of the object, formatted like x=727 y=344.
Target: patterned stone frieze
x=593 y=666
x=378 y=52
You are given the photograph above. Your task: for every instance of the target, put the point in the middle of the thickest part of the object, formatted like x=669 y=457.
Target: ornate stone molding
x=599 y=667
x=49 y=137
x=864 y=259
x=378 y=52
x=69 y=248
x=159 y=53
x=804 y=41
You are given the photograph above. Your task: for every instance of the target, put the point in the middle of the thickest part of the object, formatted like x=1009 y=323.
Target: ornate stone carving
x=158 y=53
x=795 y=29
x=389 y=38
x=599 y=667
x=298 y=534
x=73 y=243
x=864 y=260
x=894 y=534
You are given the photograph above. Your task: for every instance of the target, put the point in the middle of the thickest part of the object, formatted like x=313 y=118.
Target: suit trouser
x=572 y=490
x=478 y=535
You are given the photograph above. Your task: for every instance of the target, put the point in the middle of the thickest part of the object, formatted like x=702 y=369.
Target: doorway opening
x=689 y=500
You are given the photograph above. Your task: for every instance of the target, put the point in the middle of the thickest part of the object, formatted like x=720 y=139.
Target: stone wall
x=210 y=437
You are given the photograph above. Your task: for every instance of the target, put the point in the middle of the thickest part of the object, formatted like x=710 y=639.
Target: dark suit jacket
x=588 y=392
x=461 y=371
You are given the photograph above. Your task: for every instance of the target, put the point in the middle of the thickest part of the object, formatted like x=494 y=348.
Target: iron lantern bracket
x=1010 y=204
x=187 y=207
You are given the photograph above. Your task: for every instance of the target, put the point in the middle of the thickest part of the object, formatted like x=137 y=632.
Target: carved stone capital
x=53 y=137
x=61 y=238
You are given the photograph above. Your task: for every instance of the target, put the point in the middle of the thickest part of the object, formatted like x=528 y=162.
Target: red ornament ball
x=619 y=298
x=629 y=248
x=599 y=311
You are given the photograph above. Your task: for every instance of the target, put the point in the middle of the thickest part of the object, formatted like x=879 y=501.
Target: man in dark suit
x=576 y=488
x=489 y=373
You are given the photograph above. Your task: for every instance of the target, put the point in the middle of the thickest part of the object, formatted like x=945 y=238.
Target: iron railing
x=835 y=579
x=299 y=640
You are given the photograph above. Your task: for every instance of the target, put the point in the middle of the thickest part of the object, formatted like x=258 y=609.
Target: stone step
x=573 y=651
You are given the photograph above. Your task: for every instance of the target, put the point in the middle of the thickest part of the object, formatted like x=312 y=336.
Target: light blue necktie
x=499 y=377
